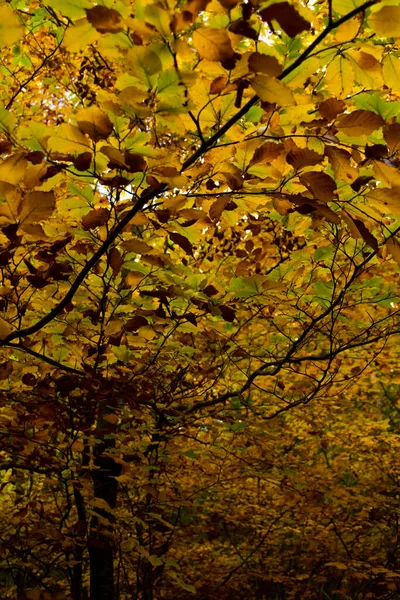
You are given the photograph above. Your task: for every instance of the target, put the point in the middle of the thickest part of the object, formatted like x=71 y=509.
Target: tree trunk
x=100 y=542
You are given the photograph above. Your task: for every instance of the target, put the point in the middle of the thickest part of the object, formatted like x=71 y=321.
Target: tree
x=199 y=218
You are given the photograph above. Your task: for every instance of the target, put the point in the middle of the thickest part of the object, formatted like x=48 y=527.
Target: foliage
x=199 y=255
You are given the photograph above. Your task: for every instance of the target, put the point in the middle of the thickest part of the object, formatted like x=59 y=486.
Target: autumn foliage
x=199 y=305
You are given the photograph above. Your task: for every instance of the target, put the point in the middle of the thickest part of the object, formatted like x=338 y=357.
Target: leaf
x=303 y=157
x=272 y=90
x=95 y=218
x=391 y=134
x=68 y=138
x=321 y=185
x=339 y=77
x=83 y=161
x=74 y=9
x=290 y=21
x=213 y=44
x=104 y=20
x=136 y=246
x=5 y=328
x=267 y=152
x=79 y=35
x=393 y=247
x=36 y=207
x=182 y=241
x=135 y=323
x=218 y=85
x=11 y=26
x=94 y=122
x=391 y=74
x=366 y=235
x=228 y=314
x=386 y=22
x=115 y=261
x=143 y=62
x=359 y=122
x=331 y=108
x=262 y=63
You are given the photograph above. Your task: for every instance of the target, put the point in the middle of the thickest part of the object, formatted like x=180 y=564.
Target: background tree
x=199 y=217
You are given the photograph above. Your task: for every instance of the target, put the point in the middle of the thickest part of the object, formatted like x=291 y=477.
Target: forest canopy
x=199 y=299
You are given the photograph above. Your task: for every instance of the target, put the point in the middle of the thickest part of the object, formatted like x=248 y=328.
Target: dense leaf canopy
x=199 y=306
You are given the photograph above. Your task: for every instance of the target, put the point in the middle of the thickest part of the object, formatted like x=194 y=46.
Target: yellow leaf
x=386 y=22
x=339 y=77
x=367 y=69
x=80 y=35
x=94 y=122
x=12 y=169
x=213 y=44
x=5 y=328
x=347 y=31
x=159 y=17
x=35 y=207
x=391 y=72
x=393 y=247
x=270 y=89
x=10 y=199
x=68 y=138
x=143 y=62
x=11 y=28
x=74 y=9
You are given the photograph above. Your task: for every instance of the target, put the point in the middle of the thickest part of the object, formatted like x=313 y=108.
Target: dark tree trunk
x=100 y=542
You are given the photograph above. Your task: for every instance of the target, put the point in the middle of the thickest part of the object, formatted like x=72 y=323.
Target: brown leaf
x=82 y=161
x=134 y=162
x=35 y=157
x=217 y=208
x=37 y=282
x=262 y=63
x=330 y=108
x=115 y=261
x=321 y=185
x=328 y=213
x=29 y=379
x=95 y=218
x=376 y=151
x=136 y=246
x=115 y=182
x=287 y=16
x=242 y=27
x=135 y=323
x=218 y=85
x=267 y=152
x=303 y=157
x=210 y=290
x=391 y=133
x=104 y=20
x=5 y=146
x=360 y=182
x=359 y=122
x=366 y=235
x=228 y=314
x=181 y=241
